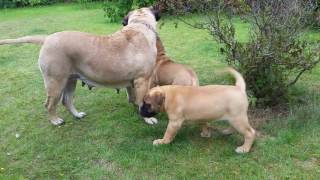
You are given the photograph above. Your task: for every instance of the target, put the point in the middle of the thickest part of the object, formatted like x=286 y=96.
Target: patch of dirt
x=258 y=116
x=309 y=164
x=109 y=166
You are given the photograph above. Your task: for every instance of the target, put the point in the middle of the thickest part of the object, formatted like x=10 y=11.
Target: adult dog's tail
x=239 y=79
x=27 y=39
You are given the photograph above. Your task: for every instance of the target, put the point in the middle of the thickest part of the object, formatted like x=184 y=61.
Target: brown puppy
x=168 y=72
x=201 y=104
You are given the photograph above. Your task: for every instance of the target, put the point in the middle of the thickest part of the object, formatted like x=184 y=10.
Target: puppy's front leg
x=170 y=133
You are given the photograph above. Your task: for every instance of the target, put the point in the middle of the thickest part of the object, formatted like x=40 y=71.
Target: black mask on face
x=145 y=110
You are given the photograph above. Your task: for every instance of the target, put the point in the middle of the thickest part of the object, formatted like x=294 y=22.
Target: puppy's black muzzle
x=145 y=110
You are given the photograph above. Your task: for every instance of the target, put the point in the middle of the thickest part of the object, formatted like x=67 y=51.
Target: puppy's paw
x=242 y=149
x=158 y=142
x=205 y=134
x=80 y=115
x=151 y=120
x=57 y=121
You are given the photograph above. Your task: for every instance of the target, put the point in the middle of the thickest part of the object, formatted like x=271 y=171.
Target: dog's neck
x=161 y=52
x=145 y=24
x=160 y=48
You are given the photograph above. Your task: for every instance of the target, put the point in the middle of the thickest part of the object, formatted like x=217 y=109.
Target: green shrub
x=275 y=56
x=7 y=4
x=143 y=3
x=115 y=10
x=316 y=15
x=23 y=3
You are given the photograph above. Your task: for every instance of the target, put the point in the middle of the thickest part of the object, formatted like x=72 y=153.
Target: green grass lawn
x=112 y=142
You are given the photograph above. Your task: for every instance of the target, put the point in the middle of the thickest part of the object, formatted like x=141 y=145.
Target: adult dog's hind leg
x=67 y=98
x=55 y=68
x=54 y=90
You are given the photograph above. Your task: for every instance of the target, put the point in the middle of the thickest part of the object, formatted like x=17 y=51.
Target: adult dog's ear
x=156 y=12
x=125 y=20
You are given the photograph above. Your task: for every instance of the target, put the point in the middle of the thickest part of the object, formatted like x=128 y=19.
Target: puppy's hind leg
x=67 y=98
x=241 y=124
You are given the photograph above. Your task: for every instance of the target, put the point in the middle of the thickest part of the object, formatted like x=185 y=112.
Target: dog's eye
x=147 y=107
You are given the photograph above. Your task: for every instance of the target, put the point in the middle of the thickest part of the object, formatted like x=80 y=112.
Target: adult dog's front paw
x=242 y=150
x=158 y=142
x=151 y=120
x=80 y=115
x=57 y=121
x=205 y=134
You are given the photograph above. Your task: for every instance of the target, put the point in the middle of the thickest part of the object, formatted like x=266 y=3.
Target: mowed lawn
x=112 y=142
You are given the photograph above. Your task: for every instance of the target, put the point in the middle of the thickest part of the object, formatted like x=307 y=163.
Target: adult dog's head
x=148 y=15
x=152 y=102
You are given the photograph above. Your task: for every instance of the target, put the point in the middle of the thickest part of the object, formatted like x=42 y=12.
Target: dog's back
x=215 y=101
x=168 y=72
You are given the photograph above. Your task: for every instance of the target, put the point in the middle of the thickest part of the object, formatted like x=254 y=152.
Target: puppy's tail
x=26 y=39
x=239 y=79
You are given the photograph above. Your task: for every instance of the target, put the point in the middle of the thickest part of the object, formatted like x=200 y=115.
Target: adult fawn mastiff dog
x=123 y=59
x=202 y=104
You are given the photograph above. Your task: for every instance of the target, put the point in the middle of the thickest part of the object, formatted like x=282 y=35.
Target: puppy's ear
x=159 y=99
x=156 y=12
x=125 y=20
